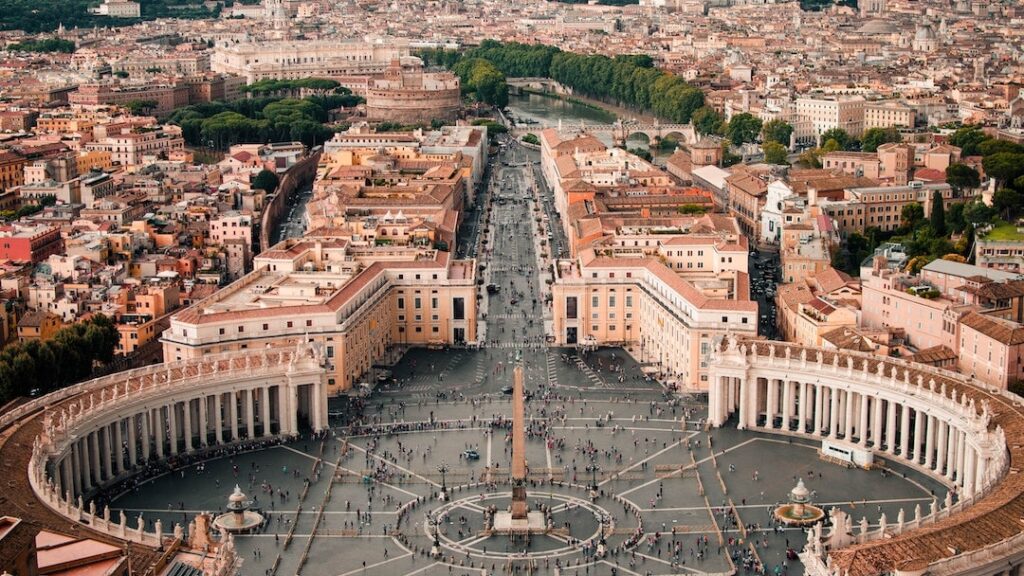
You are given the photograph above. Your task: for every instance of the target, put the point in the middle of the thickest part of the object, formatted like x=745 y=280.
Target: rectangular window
x=433 y=303
x=417 y=303
x=459 y=308
x=570 y=307
x=594 y=301
x=401 y=303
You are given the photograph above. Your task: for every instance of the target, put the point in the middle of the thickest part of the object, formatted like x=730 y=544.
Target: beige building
x=817 y=115
x=289 y=59
x=668 y=320
x=889 y=114
x=353 y=303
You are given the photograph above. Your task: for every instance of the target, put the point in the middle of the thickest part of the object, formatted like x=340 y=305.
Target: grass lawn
x=1003 y=232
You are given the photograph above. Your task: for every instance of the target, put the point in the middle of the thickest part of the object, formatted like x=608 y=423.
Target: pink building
x=991 y=349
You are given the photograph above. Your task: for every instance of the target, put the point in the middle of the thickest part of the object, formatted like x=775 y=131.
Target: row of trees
x=625 y=80
x=68 y=358
x=45 y=16
x=269 y=119
x=44 y=45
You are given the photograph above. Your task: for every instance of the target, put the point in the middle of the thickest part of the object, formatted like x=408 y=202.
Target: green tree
x=1006 y=201
x=978 y=213
x=840 y=136
x=875 y=137
x=531 y=138
x=743 y=128
x=775 y=153
x=141 y=107
x=955 y=221
x=911 y=215
x=265 y=180
x=777 y=131
x=968 y=139
x=938 y=216
x=707 y=120
x=962 y=177
x=1004 y=166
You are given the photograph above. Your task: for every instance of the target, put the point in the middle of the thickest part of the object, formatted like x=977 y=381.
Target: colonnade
x=900 y=426
x=875 y=407
x=106 y=451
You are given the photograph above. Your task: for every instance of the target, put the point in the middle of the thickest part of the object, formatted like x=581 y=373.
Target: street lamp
x=443 y=469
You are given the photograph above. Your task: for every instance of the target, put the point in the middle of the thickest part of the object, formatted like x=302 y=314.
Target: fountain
x=238 y=519
x=799 y=511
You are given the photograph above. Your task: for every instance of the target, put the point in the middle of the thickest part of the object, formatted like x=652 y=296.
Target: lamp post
x=443 y=469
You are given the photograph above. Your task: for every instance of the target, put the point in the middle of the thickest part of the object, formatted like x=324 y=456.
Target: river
x=550 y=109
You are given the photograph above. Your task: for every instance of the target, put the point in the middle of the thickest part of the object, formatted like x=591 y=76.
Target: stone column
x=919 y=434
x=106 y=467
x=204 y=425
x=905 y=432
x=787 y=403
x=218 y=417
x=133 y=451
x=744 y=403
x=76 y=468
x=819 y=408
x=250 y=417
x=833 y=413
x=187 y=423
x=118 y=448
x=265 y=409
x=849 y=417
x=802 y=409
x=890 y=427
x=233 y=414
x=771 y=404
x=929 y=447
x=862 y=426
x=94 y=453
x=979 y=476
x=87 y=467
x=67 y=468
x=943 y=446
x=172 y=426
x=876 y=422
x=146 y=419
x=961 y=457
x=970 y=467
x=159 y=431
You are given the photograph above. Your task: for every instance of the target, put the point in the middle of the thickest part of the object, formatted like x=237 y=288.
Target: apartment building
x=818 y=115
x=881 y=206
x=991 y=349
x=889 y=114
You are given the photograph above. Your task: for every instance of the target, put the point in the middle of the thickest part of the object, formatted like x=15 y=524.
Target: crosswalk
x=506 y=317
x=551 y=369
x=594 y=377
x=519 y=345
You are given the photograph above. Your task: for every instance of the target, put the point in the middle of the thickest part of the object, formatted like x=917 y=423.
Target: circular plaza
x=632 y=480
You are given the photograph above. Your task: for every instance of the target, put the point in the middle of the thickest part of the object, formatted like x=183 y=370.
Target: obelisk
x=519 y=509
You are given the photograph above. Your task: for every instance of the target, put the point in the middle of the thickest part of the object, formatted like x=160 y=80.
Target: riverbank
x=599 y=105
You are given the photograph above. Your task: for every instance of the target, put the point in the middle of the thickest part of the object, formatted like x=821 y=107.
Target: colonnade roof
x=997 y=516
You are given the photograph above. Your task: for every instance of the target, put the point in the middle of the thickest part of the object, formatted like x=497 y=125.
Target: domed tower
x=925 y=39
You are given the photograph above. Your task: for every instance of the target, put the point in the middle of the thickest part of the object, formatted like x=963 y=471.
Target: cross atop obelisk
x=519 y=509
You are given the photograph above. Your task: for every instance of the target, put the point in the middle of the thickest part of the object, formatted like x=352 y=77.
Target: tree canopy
x=775 y=153
x=44 y=45
x=777 y=131
x=707 y=120
x=875 y=137
x=743 y=128
x=67 y=358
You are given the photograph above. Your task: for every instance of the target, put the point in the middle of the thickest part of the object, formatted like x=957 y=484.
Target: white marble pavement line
x=689 y=467
x=640 y=462
x=393 y=465
x=353 y=472
x=762 y=506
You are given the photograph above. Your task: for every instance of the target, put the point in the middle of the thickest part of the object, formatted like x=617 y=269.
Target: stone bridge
x=618 y=132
